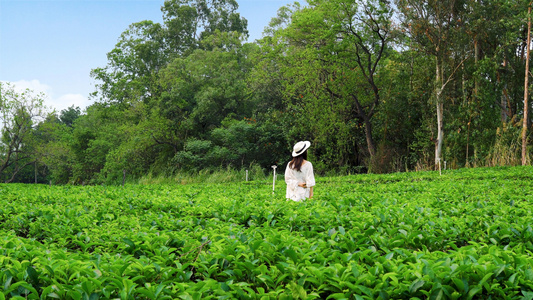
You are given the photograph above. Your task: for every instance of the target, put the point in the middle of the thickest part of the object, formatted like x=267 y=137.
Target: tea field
x=464 y=235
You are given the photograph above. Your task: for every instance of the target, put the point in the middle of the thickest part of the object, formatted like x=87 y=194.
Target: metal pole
x=274 y=178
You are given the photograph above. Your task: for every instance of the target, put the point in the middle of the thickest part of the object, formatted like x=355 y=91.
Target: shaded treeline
x=374 y=85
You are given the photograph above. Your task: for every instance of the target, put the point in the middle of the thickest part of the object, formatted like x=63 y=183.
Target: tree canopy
x=376 y=86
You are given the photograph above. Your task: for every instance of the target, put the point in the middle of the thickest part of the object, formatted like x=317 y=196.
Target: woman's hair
x=297 y=162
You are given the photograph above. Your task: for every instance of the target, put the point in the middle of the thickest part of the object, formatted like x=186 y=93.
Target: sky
x=51 y=46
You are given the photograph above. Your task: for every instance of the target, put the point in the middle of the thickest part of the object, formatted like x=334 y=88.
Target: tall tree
x=204 y=89
x=526 y=90
x=329 y=54
x=142 y=84
x=54 y=135
x=188 y=22
x=146 y=47
x=365 y=30
x=133 y=64
x=19 y=112
x=434 y=25
x=490 y=82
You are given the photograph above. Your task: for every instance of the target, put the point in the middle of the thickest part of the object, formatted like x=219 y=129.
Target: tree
x=330 y=54
x=145 y=48
x=131 y=72
x=434 y=26
x=491 y=79
x=19 y=112
x=188 y=22
x=69 y=115
x=56 y=157
x=526 y=90
x=365 y=31
x=146 y=84
x=204 y=89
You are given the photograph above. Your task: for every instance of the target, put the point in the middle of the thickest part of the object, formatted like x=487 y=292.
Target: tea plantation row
x=464 y=235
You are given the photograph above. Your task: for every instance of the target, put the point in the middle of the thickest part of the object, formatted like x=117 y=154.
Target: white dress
x=293 y=177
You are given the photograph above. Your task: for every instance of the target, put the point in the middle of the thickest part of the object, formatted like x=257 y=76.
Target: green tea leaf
x=337 y=296
x=474 y=290
x=437 y=294
x=341 y=230
x=416 y=285
x=291 y=254
x=459 y=283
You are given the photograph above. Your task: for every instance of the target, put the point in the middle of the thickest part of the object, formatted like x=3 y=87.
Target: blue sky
x=51 y=46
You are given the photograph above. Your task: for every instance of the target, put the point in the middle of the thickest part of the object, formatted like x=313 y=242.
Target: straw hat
x=300 y=148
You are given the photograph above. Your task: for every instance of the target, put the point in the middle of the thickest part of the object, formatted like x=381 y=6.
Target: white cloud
x=52 y=101
x=68 y=100
x=34 y=85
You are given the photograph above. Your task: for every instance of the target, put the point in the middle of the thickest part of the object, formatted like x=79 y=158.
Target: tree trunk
x=440 y=133
x=476 y=61
x=503 y=104
x=526 y=91
x=361 y=115
x=369 y=139
x=467 y=104
x=504 y=98
x=440 y=114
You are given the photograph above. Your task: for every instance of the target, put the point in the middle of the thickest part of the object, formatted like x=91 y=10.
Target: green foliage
x=328 y=56
x=206 y=87
x=219 y=175
x=360 y=79
x=132 y=67
x=507 y=148
x=169 y=91
x=189 y=22
x=237 y=144
x=146 y=47
x=462 y=235
x=20 y=112
x=404 y=121
x=56 y=155
x=69 y=115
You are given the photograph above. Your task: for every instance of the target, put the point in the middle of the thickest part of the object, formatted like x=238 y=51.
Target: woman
x=299 y=174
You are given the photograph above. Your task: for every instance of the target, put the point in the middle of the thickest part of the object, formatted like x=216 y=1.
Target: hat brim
x=306 y=146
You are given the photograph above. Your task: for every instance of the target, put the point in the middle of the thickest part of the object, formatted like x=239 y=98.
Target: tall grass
x=229 y=174
x=507 y=150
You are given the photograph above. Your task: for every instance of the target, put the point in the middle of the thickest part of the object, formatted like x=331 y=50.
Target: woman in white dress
x=299 y=174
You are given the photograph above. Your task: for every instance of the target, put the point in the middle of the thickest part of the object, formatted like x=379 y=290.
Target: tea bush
x=465 y=234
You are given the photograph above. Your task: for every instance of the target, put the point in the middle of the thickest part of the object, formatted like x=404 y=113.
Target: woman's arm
x=310 y=192
x=309 y=175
